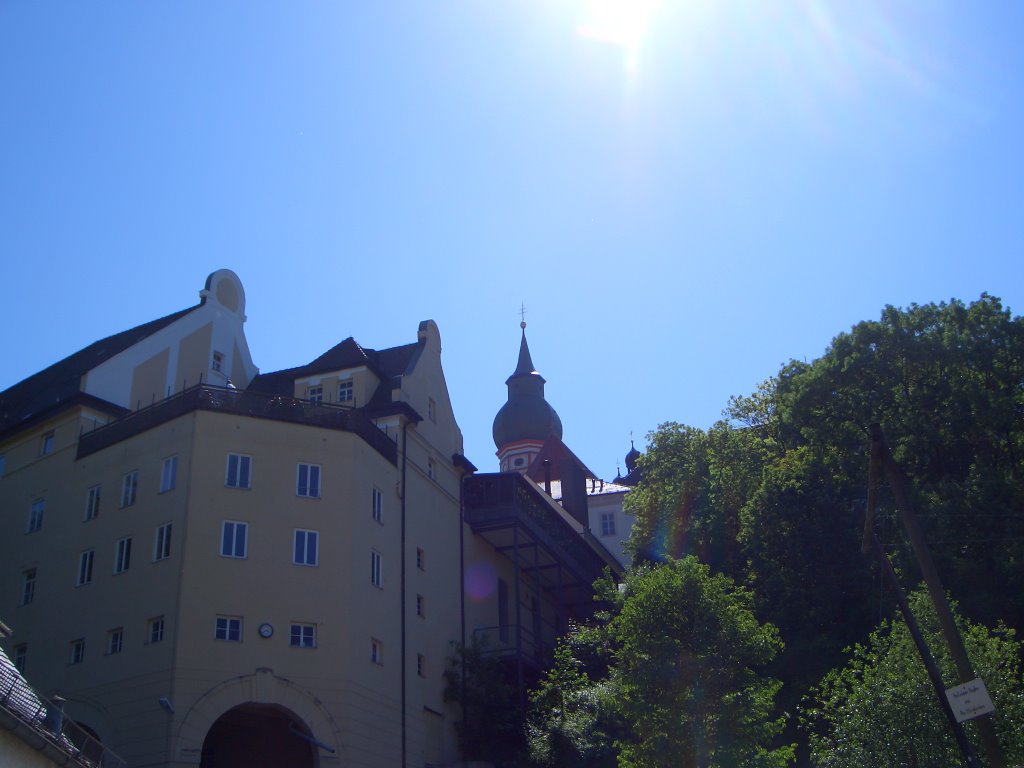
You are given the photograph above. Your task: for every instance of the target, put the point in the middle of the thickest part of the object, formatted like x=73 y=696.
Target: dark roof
x=554 y=451
x=46 y=391
x=387 y=364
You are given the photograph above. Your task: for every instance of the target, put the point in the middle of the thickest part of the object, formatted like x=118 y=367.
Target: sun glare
x=622 y=23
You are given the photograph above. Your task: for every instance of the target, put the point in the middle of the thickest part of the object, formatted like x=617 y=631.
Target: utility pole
x=882 y=458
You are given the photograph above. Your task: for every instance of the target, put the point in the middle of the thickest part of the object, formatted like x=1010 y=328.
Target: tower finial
x=522 y=316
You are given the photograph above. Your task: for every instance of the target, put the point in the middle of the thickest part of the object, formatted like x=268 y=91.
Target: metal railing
x=206 y=397
x=46 y=719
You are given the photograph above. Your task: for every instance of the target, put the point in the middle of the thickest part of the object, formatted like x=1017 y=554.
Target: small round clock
x=266 y=630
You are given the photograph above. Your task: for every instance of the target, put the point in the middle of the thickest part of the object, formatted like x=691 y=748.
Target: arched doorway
x=258 y=736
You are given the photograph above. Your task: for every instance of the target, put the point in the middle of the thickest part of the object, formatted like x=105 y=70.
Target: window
x=376 y=651
x=20 y=656
x=345 y=391
x=607 y=523
x=47 y=445
x=431 y=409
x=92 y=503
x=228 y=628
x=115 y=641
x=162 y=542
x=123 y=554
x=315 y=393
x=303 y=636
x=233 y=539
x=375 y=577
x=129 y=486
x=239 y=474
x=431 y=469
x=421 y=558
x=28 y=586
x=378 y=505
x=307 y=482
x=155 y=629
x=218 y=362
x=306 y=550
x=77 y=655
x=85 y=561
x=2 y=462
x=169 y=474
x=35 y=516
x=421 y=665
x=420 y=606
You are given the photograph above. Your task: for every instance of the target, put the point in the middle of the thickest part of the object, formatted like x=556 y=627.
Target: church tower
x=526 y=421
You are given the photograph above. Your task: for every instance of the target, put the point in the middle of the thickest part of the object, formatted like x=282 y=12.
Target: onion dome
x=631 y=457
x=526 y=415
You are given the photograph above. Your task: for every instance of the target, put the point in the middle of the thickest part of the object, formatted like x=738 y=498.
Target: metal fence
x=46 y=719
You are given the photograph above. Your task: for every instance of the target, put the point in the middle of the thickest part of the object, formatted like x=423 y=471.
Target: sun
x=623 y=23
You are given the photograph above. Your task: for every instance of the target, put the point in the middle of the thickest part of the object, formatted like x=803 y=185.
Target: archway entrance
x=258 y=736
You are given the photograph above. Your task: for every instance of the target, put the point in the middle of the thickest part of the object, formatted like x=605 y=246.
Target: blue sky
x=684 y=194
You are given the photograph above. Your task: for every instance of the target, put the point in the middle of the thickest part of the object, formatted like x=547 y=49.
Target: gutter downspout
x=462 y=600
x=405 y=461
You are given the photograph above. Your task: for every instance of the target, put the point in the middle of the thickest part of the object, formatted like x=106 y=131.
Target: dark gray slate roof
x=52 y=388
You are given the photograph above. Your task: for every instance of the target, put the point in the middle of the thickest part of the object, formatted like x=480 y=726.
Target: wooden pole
x=950 y=632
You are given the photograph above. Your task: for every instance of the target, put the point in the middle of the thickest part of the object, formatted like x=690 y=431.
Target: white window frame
x=239 y=478
x=169 y=474
x=607 y=523
x=302 y=636
x=238 y=531
x=376 y=570
x=123 y=554
x=115 y=640
x=346 y=392
x=302 y=537
x=35 y=516
x=28 y=586
x=162 y=542
x=86 y=562
x=92 y=502
x=228 y=629
x=307 y=480
x=378 y=505
x=77 y=651
x=129 y=488
x=315 y=393
x=217 y=364
x=155 y=630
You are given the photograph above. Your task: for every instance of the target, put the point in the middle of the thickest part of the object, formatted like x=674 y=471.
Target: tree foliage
x=774 y=496
x=880 y=709
x=671 y=672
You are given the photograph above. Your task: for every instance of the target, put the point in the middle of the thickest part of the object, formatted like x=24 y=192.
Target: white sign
x=969 y=700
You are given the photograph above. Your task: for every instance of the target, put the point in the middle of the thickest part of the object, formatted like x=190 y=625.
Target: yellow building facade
x=221 y=568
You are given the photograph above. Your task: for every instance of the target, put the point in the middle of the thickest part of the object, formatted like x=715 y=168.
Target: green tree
x=880 y=709
x=492 y=727
x=671 y=673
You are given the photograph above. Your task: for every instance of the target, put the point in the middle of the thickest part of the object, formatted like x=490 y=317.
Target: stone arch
x=261 y=687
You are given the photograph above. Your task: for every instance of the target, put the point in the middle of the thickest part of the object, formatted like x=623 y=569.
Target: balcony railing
x=46 y=725
x=503 y=500
x=508 y=639
x=206 y=397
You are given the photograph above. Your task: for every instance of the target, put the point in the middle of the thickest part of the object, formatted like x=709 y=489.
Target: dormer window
x=218 y=362
x=315 y=394
x=345 y=391
x=47 y=445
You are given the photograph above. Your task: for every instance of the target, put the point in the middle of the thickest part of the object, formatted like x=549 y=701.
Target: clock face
x=266 y=630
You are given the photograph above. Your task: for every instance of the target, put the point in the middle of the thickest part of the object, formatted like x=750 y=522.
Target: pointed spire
x=525 y=366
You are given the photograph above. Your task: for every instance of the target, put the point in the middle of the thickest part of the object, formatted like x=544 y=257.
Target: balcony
x=258 y=405
x=526 y=525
